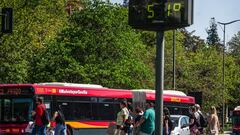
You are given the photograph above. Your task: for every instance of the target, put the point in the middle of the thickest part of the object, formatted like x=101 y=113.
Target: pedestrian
x=167 y=123
x=201 y=119
x=39 y=127
x=58 y=117
x=138 y=116
x=122 y=116
x=193 y=125
x=128 y=125
x=213 y=121
x=147 y=122
x=197 y=114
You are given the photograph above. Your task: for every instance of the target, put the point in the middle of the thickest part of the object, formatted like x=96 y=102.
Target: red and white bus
x=236 y=121
x=88 y=109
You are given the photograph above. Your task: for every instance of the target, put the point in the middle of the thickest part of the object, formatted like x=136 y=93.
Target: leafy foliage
x=97 y=46
x=35 y=22
x=234 y=45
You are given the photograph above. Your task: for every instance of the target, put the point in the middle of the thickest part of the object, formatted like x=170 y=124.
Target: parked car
x=180 y=125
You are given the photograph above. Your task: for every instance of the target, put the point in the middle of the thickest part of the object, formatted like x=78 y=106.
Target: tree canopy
x=35 y=22
x=95 y=47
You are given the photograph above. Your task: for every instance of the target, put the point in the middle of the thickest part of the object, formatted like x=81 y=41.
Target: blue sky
x=222 y=10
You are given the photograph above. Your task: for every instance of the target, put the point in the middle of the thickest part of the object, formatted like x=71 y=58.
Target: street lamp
x=223 y=66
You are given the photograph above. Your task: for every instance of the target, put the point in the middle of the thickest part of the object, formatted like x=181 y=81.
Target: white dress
x=213 y=125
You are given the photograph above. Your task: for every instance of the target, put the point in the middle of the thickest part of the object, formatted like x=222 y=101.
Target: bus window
x=7 y=110
x=21 y=109
x=48 y=107
x=109 y=100
x=103 y=109
x=76 y=110
x=236 y=120
x=74 y=99
x=17 y=110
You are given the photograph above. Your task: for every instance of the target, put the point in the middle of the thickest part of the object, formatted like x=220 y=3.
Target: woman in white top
x=213 y=122
x=122 y=116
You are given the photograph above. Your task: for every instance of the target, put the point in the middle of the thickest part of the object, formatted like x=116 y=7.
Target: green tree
x=35 y=22
x=234 y=45
x=191 y=42
x=213 y=38
x=97 y=47
x=234 y=67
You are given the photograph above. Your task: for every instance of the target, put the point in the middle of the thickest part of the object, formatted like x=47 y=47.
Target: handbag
x=30 y=127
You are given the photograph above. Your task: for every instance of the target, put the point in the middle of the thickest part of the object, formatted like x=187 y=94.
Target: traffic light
x=7 y=20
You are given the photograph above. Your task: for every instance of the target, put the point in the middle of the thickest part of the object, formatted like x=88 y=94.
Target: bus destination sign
x=160 y=14
x=16 y=91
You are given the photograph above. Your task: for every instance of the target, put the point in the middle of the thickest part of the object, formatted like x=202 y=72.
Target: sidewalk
x=226 y=133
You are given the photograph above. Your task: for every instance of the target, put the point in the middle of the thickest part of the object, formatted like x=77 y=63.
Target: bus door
x=139 y=99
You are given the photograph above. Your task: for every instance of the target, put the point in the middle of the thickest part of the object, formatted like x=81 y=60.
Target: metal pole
x=223 y=68
x=174 y=61
x=223 y=77
x=159 y=83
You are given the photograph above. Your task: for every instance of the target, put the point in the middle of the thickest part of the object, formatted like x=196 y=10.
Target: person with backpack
x=167 y=123
x=201 y=119
x=58 y=117
x=193 y=124
x=38 y=114
x=138 y=116
x=128 y=125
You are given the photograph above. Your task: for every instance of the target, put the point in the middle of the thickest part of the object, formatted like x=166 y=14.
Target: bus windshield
x=236 y=120
x=15 y=110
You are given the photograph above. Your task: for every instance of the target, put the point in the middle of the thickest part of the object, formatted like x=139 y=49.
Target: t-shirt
x=39 y=112
x=148 y=126
x=197 y=116
x=124 y=112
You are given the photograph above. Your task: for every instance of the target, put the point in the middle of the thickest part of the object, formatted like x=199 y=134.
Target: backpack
x=45 y=117
x=203 y=120
x=129 y=120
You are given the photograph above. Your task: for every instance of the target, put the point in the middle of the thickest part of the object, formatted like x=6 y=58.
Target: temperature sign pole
x=159 y=83
x=160 y=15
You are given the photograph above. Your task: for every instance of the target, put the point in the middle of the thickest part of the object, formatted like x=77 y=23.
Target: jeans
x=164 y=132
x=60 y=129
x=39 y=130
